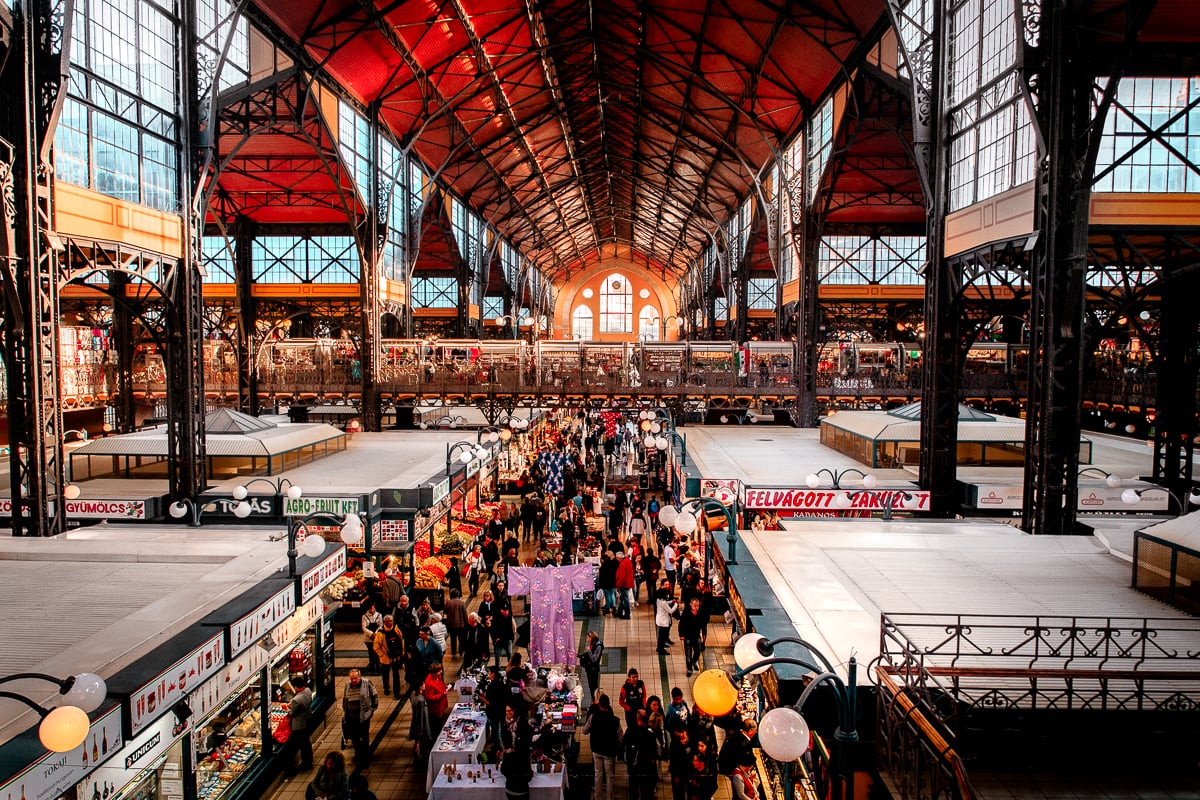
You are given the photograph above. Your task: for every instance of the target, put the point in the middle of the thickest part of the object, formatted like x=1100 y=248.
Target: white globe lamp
x=87 y=692
x=747 y=654
x=295 y=492
x=667 y=515
x=1130 y=497
x=813 y=480
x=240 y=492
x=870 y=481
x=783 y=734
x=352 y=530
x=685 y=522
x=313 y=545
x=242 y=510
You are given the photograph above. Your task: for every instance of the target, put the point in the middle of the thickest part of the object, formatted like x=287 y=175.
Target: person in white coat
x=664 y=611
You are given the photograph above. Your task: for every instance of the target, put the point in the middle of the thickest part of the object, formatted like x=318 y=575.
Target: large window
x=761 y=294
x=218 y=260
x=305 y=259
x=616 y=304
x=1151 y=137
x=992 y=145
x=887 y=260
x=649 y=324
x=435 y=292
x=120 y=124
x=582 y=323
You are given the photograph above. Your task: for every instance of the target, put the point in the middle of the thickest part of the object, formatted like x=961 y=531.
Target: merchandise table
x=461 y=741
x=544 y=786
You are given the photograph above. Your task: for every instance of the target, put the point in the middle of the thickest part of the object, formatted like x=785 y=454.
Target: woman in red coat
x=436 y=700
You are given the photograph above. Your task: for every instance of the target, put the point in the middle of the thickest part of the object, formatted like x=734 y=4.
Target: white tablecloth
x=544 y=786
x=465 y=751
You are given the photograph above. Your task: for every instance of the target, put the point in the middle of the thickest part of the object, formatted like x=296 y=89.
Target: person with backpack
x=389 y=646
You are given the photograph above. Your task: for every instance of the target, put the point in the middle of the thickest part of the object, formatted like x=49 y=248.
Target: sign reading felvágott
x=829 y=499
x=303 y=506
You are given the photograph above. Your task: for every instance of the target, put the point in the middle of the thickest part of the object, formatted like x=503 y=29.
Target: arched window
x=616 y=305
x=582 y=323
x=649 y=324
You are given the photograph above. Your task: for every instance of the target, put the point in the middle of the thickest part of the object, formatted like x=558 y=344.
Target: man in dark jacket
x=605 y=736
x=691 y=632
x=476 y=643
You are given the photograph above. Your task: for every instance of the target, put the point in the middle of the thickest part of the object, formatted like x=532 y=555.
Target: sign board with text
x=788 y=499
x=336 y=506
x=324 y=573
x=93 y=508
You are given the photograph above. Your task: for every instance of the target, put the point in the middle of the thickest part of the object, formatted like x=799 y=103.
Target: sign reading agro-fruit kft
x=303 y=506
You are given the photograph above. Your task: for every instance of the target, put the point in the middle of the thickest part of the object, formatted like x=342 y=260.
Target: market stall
x=465 y=782
x=460 y=743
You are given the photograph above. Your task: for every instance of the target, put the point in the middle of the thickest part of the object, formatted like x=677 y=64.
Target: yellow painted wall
x=90 y=215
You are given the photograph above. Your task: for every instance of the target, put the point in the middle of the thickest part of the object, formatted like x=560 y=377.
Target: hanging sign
x=832 y=499
x=323 y=574
x=250 y=628
x=153 y=699
x=94 y=508
x=441 y=490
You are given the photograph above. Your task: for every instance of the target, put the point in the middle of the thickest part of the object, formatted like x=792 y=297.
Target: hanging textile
x=551 y=617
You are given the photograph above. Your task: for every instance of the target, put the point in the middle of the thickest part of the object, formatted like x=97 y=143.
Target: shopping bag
x=283 y=731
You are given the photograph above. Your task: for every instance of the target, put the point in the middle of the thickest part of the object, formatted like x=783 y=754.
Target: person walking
x=372 y=621
x=438 y=630
x=390 y=590
x=455 y=618
x=664 y=610
x=641 y=757
x=691 y=633
x=475 y=642
x=625 y=583
x=300 y=717
x=606 y=582
x=475 y=567
x=331 y=781
x=389 y=647
x=604 y=732
x=590 y=659
x=679 y=763
x=426 y=653
x=359 y=702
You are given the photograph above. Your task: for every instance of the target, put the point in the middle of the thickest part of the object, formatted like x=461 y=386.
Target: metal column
x=243 y=268
x=1175 y=425
x=31 y=97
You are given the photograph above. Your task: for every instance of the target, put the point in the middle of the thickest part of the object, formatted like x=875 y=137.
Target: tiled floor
x=395 y=774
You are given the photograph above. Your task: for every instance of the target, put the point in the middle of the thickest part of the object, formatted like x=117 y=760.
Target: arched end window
x=649 y=324
x=616 y=304
x=582 y=323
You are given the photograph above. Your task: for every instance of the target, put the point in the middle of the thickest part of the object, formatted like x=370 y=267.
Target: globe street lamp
x=314 y=546
x=241 y=491
x=783 y=732
x=64 y=727
x=684 y=521
x=186 y=507
x=835 y=476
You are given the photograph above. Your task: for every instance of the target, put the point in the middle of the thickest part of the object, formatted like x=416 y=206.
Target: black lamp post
x=836 y=475
x=782 y=731
x=186 y=507
x=684 y=521
x=64 y=727
x=314 y=546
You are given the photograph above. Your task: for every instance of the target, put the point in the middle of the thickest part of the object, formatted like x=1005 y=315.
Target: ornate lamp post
x=684 y=521
x=835 y=476
x=65 y=727
x=314 y=546
x=783 y=731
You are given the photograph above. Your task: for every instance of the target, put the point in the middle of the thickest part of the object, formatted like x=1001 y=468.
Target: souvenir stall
x=457 y=762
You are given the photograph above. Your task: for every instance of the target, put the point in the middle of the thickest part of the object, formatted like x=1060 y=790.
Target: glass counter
x=229 y=743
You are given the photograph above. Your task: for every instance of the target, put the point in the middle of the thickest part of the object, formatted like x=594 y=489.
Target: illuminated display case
x=229 y=743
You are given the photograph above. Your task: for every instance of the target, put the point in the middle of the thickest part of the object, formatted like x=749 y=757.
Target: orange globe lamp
x=714 y=693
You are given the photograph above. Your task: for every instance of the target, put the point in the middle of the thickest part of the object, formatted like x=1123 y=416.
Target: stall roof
x=883 y=426
x=124 y=590
x=228 y=433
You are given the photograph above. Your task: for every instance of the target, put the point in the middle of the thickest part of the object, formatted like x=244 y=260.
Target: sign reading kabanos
x=813 y=499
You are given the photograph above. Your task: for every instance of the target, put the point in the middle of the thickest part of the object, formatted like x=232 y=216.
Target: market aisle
x=395 y=774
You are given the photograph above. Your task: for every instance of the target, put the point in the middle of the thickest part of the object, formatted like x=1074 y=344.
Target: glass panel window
x=582 y=323
x=1150 y=143
x=435 y=292
x=218 y=260
x=121 y=115
x=616 y=304
x=298 y=259
x=649 y=324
